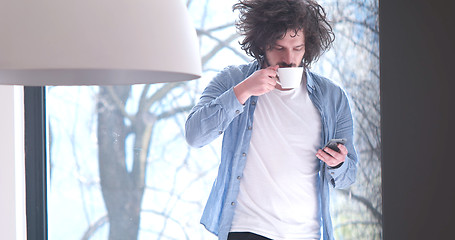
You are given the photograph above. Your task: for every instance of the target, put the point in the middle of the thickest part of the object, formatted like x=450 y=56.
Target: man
x=274 y=178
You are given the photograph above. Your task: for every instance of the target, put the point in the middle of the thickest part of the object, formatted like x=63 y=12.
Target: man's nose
x=288 y=58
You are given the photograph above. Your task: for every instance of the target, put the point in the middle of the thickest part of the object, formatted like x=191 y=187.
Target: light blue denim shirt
x=219 y=111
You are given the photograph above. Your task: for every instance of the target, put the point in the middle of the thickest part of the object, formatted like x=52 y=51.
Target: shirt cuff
x=333 y=173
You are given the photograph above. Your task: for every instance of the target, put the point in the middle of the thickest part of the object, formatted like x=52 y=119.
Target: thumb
x=343 y=149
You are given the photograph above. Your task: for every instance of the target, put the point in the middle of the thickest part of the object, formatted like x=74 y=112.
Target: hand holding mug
x=260 y=82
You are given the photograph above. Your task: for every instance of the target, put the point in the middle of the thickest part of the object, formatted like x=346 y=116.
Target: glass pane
x=121 y=151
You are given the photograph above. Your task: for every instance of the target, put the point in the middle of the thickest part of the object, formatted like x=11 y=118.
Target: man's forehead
x=293 y=40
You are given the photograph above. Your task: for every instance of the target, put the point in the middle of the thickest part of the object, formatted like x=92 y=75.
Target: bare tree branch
x=167 y=216
x=94 y=227
x=361 y=45
x=220 y=45
x=364 y=24
x=174 y=111
x=366 y=202
x=160 y=94
x=221 y=27
x=349 y=223
x=143 y=98
x=118 y=103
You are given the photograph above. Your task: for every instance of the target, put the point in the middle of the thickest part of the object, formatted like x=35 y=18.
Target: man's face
x=288 y=51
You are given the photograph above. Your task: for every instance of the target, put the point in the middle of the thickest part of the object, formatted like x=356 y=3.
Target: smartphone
x=333 y=144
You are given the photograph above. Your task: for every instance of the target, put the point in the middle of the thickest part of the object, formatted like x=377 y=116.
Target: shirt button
x=244 y=154
x=238 y=177
x=220 y=132
x=253 y=103
x=332 y=173
x=249 y=128
x=237 y=111
x=232 y=203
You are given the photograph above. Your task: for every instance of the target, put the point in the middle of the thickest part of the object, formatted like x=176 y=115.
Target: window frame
x=35 y=163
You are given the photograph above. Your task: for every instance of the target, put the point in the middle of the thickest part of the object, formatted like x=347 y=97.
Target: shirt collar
x=309 y=81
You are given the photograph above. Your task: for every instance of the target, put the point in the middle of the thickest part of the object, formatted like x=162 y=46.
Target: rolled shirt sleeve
x=216 y=109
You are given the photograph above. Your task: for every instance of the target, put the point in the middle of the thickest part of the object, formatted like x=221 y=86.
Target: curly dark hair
x=263 y=22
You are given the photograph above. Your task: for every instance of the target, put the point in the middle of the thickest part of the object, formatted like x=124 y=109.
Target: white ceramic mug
x=289 y=77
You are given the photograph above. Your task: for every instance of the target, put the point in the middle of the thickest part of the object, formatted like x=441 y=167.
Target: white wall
x=12 y=178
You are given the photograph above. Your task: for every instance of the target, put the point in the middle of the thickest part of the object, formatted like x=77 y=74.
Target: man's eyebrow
x=279 y=45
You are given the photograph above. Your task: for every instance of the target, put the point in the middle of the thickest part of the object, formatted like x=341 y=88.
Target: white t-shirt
x=279 y=196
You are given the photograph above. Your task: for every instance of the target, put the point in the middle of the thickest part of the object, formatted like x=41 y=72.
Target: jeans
x=245 y=236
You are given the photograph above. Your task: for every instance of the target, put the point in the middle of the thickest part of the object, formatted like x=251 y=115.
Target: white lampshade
x=96 y=42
